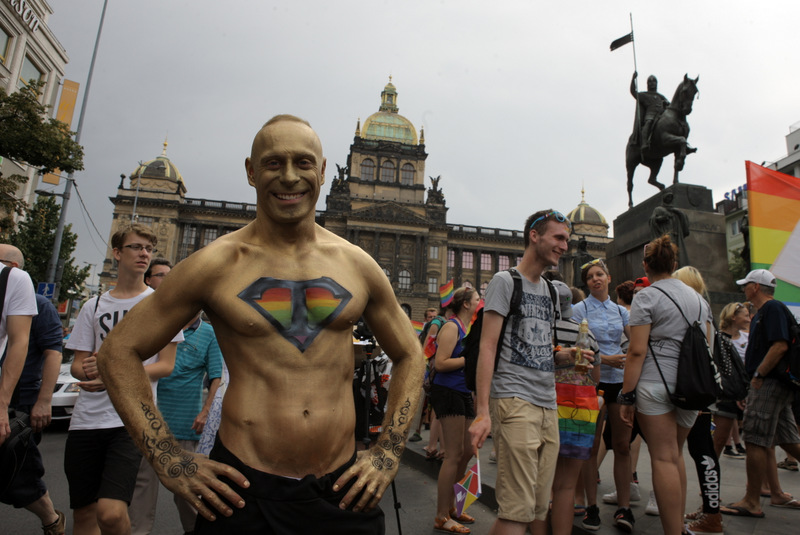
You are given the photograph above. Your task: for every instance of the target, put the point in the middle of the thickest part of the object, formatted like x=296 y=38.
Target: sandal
x=441 y=524
x=463 y=519
x=786 y=464
x=430 y=455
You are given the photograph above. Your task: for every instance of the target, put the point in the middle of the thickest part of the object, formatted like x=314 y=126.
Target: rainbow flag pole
x=446 y=293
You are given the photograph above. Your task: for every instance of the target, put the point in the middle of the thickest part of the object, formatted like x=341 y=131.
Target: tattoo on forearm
x=162 y=451
x=394 y=440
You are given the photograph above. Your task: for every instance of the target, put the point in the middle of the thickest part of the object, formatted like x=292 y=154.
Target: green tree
x=28 y=136
x=35 y=237
x=737 y=266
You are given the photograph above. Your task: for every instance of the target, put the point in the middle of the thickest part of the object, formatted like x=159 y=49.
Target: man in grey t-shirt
x=517 y=403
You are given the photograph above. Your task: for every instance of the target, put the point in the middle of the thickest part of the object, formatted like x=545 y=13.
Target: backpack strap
x=3 y=286
x=513 y=309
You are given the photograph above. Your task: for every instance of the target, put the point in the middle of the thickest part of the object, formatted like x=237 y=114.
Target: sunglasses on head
x=558 y=216
x=595 y=262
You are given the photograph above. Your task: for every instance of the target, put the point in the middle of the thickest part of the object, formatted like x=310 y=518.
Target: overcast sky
x=521 y=101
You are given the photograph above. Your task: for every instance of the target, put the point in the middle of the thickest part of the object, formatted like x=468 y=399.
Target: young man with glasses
x=283 y=294
x=517 y=402
x=100 y=459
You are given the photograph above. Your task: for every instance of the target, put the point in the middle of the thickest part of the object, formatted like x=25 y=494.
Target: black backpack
x=735 y=381
x=698 y=383
x=472 y=342
x=788 y=369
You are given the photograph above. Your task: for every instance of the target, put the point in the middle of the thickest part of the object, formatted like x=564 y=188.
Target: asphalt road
x=416 y=493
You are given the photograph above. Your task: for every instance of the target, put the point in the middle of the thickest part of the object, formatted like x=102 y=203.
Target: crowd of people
x=283 y=296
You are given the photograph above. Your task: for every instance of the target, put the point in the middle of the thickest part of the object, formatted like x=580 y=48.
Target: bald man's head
x=11 y=255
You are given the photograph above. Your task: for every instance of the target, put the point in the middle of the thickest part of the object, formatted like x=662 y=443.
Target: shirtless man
x=283 y=295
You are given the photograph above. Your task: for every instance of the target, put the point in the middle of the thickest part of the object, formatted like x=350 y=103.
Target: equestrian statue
x=660 y=129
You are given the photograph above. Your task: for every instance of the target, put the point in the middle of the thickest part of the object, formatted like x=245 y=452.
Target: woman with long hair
x=608 y=322
x=452 y=401
x=657 y=330
x=707 y=520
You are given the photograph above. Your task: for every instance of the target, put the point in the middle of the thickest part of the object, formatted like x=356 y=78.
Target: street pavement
x=416 y=492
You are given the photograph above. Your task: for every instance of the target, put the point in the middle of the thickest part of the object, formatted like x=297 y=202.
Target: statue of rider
x=651 y=104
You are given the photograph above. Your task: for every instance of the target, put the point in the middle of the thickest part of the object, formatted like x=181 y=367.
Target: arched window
x=367 y=170
x=407 y=174
x=387 y=171
x=404 y=280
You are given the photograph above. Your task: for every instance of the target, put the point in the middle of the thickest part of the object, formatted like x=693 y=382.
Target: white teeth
x=288 y=196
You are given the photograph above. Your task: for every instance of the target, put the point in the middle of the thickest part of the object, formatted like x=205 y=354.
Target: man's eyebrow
x=281 y=155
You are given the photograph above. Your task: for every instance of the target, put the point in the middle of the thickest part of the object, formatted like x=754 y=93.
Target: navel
x=306 y=413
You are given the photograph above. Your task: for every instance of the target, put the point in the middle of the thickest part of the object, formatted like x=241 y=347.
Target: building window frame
x=433 y=252
x=503 y=262
x=467 y=260
x=388 y=171
x=404 y=280
x=486 y=262
x=368 y=169
x=433 y=285
x=407 y=173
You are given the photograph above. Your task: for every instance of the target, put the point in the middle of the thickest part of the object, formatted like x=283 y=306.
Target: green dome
x=387 y=124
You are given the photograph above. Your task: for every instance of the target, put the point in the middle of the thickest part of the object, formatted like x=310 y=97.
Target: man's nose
x=289 y=175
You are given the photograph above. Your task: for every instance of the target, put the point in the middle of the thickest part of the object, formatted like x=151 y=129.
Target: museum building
x=378 y=201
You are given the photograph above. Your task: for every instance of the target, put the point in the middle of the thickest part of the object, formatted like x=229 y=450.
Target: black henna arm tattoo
x=392 y=443
x=161 y=449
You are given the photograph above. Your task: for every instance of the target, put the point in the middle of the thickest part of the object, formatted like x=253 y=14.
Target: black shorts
x=279 y=505
x=27 y=486
x=728 y=409
x=448 y=402
x=100 y=463
x=610 y=393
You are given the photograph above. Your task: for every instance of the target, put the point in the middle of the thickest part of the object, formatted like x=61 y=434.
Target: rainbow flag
x=418 y=325
x=468 y=489
x=773 y=201
x=446 y=293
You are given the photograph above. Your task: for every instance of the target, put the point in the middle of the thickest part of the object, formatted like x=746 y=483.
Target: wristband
x=627 y=398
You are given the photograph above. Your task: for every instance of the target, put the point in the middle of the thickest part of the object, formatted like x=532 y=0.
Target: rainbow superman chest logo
x=299 y=310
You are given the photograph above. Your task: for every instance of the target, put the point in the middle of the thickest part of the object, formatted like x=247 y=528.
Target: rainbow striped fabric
x=418 y=325
x=773 y=200
x=446 y=293
x=577 y=419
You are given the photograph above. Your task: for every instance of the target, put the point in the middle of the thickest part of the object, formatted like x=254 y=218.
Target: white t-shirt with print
x=94 y=410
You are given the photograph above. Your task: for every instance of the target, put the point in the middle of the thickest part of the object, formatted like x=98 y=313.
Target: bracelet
x=627 y=398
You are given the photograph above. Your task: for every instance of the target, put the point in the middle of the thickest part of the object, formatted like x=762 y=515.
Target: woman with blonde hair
x=708 y=519
x=452 y=401
x=657 y=330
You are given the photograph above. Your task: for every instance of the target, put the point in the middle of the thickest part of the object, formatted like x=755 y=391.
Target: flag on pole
x=773 y=201
x=418 y=326
x=446 y=293
x=622 y=41
x=468 y=489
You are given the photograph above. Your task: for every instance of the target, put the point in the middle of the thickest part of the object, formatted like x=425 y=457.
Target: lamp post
x=91 y=280
x=53 y=273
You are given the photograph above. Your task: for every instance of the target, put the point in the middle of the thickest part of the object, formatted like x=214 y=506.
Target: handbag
x=735 y=382
x=15 y=448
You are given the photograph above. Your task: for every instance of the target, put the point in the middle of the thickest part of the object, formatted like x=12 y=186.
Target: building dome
x=159 y=168
x=387 y=124
x=585 y=214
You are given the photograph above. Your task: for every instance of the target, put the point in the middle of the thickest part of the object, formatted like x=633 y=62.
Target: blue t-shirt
x=454 y=379
x=769 y=325
x=46 y=334
x=607 y=321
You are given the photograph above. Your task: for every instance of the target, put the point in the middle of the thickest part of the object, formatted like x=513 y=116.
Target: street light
x=54 y=274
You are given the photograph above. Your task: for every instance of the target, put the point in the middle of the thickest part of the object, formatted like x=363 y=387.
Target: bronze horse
x=670 y=133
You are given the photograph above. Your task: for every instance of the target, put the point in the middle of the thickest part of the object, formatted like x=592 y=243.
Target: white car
x=65 y=394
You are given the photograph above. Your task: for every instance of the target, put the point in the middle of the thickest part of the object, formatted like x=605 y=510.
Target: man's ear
x=248 y=167
x=322 y=171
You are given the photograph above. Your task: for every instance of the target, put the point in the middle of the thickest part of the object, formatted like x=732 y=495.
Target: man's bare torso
x=284 y=324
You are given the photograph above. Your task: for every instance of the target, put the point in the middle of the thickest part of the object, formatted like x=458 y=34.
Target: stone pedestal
x=705 y=244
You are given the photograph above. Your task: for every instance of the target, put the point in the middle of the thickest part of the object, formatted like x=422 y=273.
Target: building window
x=736 y=228
x=467 y=260
x=519 y=260
x=434 y=252
x=451 y=258
x=433 y=285
x=387 y=172
x=5 y=44
x=407 y=174
x=146 y=220
x=404 y=280
x=188 y=240
x=367 y=170
x=502 y=262
x=407 y=309
x=486 y=262
x=29 y=72
x=209 y=234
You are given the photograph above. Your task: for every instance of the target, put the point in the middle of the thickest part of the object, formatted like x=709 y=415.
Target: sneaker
x=416 y=437
x=729 y=451
x=707 y=524
x=56 y=528
x=611 y=497
x=694 y=515
x=591 y=520
x=740 y=449
x=652 y=505
x=624 y=520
